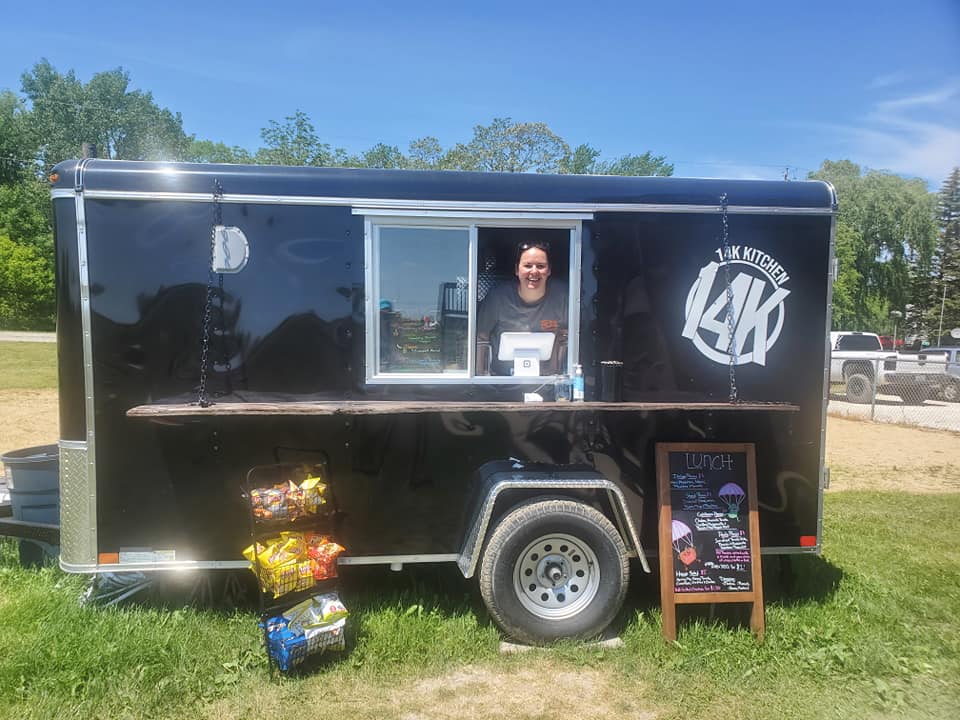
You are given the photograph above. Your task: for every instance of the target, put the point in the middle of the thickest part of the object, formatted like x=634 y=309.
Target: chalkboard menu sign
x=709 y=544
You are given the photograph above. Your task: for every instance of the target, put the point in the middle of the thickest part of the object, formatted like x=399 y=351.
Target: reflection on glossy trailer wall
x=347 y=337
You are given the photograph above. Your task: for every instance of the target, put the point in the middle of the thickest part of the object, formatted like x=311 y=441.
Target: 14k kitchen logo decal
x=757 y=280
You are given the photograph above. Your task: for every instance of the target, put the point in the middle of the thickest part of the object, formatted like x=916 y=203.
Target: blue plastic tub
x=33 y=479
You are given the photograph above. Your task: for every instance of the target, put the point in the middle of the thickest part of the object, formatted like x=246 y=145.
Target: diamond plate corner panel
x=77 y=506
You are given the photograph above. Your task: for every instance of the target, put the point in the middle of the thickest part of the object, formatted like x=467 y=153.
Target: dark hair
x=538 y=244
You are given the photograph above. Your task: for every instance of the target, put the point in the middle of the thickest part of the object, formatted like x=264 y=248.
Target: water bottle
x=577 y=383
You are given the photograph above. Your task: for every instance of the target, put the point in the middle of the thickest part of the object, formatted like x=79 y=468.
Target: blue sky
x=739 y=89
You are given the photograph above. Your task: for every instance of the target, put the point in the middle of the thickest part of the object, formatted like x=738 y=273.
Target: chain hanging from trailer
x=731 y=320
x=203 y=398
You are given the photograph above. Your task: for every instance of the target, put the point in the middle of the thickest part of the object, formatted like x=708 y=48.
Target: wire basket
x=281 y=492
x=288 y=648
x=291 y=577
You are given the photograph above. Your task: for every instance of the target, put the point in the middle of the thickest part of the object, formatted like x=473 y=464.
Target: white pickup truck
x=858 y=360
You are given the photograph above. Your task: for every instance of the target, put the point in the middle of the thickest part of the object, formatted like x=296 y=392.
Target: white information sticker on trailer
x=132 y=556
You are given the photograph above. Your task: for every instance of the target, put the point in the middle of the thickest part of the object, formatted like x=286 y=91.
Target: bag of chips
x=288 y=647
x=323 y=553
x=293 y=561
x=315 y=612
x=289 y=501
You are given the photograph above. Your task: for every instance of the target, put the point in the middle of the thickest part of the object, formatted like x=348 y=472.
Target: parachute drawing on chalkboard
x=683 y=542
x=732 y=494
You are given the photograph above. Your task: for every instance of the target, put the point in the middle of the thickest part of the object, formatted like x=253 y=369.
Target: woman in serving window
x=535 y=303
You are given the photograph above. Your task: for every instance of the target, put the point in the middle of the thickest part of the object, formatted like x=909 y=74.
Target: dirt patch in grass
x=28 y=418
x=877 y=456
x=540 y=688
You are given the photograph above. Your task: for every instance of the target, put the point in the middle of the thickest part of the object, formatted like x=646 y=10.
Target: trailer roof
x=162 y=178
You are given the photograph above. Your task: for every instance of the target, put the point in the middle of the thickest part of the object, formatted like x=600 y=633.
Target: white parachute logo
x=756 y=297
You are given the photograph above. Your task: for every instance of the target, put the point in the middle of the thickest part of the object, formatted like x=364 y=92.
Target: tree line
x=897 y=243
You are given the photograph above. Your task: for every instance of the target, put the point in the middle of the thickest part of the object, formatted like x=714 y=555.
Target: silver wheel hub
x=556 y=576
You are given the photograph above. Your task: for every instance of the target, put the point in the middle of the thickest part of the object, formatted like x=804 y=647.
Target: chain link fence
x=921 y=391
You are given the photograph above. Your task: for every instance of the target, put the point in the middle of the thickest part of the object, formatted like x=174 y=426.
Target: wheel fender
x=499 y=480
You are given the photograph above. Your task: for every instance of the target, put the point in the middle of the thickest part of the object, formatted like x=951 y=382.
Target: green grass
x=869 y=630
x=28 y=366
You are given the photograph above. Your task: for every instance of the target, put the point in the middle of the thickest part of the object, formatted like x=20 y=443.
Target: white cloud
x=916 y=135
x=884 y=81
x=934 y=98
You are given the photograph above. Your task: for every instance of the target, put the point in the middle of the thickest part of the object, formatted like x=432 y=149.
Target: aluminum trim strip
x=486 y=218
x=574 y=303
x=72 y=444
x=465 y=206
x=825 y=401
x=179 y=565
x=393 y=559
x=473 y=240
x=88 y=387
x=371 y=337
x=469 y=556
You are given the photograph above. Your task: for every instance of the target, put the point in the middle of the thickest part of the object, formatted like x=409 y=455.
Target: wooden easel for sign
x=691 y=477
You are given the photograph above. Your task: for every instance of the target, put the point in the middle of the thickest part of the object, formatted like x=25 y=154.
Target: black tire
x=951 y=392
x=573 y=566
x=859 y=388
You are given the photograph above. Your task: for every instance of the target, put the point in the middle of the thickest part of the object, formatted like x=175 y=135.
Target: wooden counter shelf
x=403 y=407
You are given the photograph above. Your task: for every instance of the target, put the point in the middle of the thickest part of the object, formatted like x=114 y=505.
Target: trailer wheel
x=554 y=569
x=859 y=388
x=951 y=392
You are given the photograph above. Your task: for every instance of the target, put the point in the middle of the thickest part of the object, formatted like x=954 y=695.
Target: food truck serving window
x=426 y=279
x=422 y=300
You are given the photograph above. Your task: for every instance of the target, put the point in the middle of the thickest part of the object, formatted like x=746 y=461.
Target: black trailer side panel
x=287 y=319
x=640 y=279
x=292 y=325
x=69 y=324
x=403 y=482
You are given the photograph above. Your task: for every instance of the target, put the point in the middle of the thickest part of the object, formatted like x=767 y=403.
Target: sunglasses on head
x=539 y=245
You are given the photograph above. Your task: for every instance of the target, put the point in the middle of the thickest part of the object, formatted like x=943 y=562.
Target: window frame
x=473 y=222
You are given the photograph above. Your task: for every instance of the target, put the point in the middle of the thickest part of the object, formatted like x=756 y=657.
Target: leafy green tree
x=508 y=146
x=585 y=160
x=426 y=153
x=26 y=288
x=18 y=144
x=945 y=288
x=846 y=288
x=295 y=142
x=582 y=161
x=383 y=156
x=26 y=215
x=890 y=241
x=646 y=164
x=208 y=151
x=123 y=123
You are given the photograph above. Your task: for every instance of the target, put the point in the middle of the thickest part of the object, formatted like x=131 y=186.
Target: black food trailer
x=218 y=318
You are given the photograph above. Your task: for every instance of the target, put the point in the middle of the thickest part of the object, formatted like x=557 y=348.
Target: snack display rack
x=293 y=554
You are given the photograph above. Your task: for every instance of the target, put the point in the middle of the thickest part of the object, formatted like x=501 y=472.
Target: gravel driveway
x=934 y=414
x=24 y=336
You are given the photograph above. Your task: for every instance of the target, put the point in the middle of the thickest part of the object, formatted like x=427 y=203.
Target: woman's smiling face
x=533 y=269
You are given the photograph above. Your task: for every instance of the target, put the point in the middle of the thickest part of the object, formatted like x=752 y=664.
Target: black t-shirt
x=502 y=310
